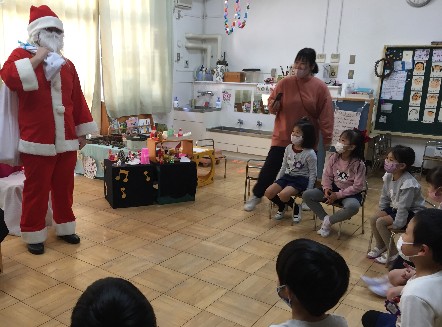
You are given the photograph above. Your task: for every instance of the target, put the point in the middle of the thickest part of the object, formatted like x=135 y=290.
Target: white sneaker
x=383 y=258
x=325 y=229
x=373 y=254
x=251 y=203
x=279 y=215
x=296 y=213
x=305 y=207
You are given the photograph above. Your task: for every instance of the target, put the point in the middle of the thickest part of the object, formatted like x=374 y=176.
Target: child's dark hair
x=112 y=302
x=317 y=275
x=309 y=55
x=355 y=137
x=428 y=231
x=308 y=133
x=404 y=154
x=434 y=177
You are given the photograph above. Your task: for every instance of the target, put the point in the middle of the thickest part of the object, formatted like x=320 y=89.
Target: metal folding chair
x=253 y=167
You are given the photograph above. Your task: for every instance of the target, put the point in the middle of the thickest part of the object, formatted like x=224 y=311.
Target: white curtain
x=80 y=21
x=136 y=48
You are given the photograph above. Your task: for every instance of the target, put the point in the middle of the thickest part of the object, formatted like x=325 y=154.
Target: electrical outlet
x=320 y=57
x=352 y=59
x=351 y=73
x=186 y=64
x=335 y=57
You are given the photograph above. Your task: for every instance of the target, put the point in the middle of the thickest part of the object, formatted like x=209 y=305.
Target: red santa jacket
x=51 y=115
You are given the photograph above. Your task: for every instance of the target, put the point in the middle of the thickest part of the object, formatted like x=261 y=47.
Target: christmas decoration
x=237 y=18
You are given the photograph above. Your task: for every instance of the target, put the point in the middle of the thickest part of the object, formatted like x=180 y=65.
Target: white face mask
x=399 y=244
x=296 y=139
x=300 y=73
x=339 y=147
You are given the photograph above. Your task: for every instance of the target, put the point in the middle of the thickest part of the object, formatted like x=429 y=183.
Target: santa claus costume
x=52 y=114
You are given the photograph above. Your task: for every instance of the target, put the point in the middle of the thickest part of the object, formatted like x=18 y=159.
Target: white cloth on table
x=11 y=191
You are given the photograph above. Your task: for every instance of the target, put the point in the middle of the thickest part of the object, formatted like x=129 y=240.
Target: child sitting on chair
x=401 y=198
x=343 y=181
x=298 y=170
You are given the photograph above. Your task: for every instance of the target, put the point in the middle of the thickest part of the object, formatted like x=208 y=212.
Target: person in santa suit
x=53 y=120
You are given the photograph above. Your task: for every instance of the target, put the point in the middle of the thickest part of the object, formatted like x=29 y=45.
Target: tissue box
x=238 y=77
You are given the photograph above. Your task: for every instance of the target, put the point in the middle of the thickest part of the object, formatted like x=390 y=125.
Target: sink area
x=241 y=131
x=198 y=109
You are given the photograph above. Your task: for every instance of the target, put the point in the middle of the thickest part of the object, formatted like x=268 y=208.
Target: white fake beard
x=51 y=40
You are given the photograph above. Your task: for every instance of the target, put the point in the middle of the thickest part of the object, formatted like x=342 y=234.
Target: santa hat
x=43 y=17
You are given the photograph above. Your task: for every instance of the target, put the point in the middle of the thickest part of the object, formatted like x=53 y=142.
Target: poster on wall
x=344 y=120
x=393 y=86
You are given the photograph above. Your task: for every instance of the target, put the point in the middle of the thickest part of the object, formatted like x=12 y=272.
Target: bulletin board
x=409 y=100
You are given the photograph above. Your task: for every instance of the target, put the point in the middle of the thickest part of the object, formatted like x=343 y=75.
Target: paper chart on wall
x=437 y=55
x=344 y=120
x=393 y=86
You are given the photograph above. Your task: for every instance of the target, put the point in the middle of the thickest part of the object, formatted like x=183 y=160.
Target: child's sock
x=281 y=205
x=291 y=202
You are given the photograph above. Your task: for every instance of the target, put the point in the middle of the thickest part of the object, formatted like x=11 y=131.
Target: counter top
x=198 y=109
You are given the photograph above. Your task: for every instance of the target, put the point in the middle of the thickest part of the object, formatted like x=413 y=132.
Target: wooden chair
x=211 y=144
x=253 y=167
x=338 y=205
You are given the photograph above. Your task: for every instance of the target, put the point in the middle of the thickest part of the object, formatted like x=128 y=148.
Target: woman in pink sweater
x=343 y=181
x=294 y=97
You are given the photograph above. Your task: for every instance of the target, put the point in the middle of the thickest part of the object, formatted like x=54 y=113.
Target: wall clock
x=418 y=3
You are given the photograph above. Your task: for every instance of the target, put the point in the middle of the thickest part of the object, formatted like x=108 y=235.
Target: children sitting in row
x=401 y=198
x=298 y=170
x=420 y=303
x=343 y=181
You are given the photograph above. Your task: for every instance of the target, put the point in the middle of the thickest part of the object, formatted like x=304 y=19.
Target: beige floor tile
x=171 y=312
x=80 y=197
x=178 y=241
x=34 y=261
x=95 y=232
x=186 y=263
x=100 y=203
x=229 y=239
x=196 y=293
x=262 y=249
x=268 y=271
x=244 y=261
x=238 y=308
x=127 y=266
x=98 y=254
x=222 y=276
x=247 y=229
x=6 y=300
x=258 y=288
x=151 y=232
x=126 y=243
x=217 y=221
x=149 y=293
x=274 y=316
x=53 y=323
x=191 y=215
x=13 y=246
x=360 y=298
x=65 y=317
x=21 y=314
x=82 y=281
x=67 y=248
x=159 y=278
x=55 y=300
x=101 y=217
x=81 y=210
x=201 y=231
x=27 y=284
x=351 y=314
x=205 y=318
x=173 y=222
x=210 y=251
x=65 y=269
x=155 y=253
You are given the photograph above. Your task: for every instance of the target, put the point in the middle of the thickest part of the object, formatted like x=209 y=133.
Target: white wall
x=277 y=30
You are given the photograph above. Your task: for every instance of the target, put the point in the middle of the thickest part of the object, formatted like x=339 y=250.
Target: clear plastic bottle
x=218 y=103
x=175 y=102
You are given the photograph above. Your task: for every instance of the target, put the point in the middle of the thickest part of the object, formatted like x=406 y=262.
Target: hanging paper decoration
x=237 y=18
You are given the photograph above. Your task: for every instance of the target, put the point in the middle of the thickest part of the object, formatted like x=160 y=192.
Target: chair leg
x=225 y=167
x=363 y=227
x=314 y=220
x=370 y=242
x=245 y=189
x=339 y=231
x=389 y=249
x=270 y=209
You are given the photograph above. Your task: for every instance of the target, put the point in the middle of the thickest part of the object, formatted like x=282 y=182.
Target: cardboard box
x=238 y=77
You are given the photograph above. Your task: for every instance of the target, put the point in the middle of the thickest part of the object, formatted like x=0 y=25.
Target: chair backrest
x=204 y=143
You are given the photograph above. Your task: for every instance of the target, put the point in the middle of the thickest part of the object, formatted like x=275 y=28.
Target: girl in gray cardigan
x=401 y=198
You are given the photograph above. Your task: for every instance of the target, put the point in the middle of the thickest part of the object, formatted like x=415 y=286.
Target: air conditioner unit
x=183 y=4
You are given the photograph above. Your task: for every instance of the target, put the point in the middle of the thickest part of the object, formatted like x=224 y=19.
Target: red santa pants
x=46 y=174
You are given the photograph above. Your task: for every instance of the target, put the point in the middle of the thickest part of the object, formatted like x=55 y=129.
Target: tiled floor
x=202 y=263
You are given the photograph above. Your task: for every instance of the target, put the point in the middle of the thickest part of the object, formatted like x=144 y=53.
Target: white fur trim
x=386 y=175
x=35 y=237
x=65 y=228
x=27 y=74
x=67 y=145
x=36 y=148
x=44 y=22
x=86 y=128
x=410 y=183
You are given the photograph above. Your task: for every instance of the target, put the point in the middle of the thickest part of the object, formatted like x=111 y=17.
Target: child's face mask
x=286 y=301
x=435 y=194
x=399 y=244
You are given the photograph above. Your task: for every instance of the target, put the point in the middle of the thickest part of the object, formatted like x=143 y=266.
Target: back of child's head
x=403 y=154
x=113 y=302
x=316 y=275
x=308 y=133
x=428 y=231
x=355 y=137
x=434 y=177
